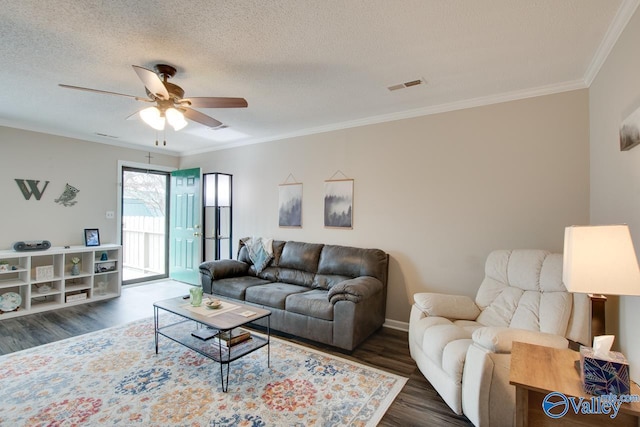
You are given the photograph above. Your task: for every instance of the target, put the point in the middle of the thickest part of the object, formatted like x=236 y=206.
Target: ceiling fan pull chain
x=164 y=137
x=156 y=138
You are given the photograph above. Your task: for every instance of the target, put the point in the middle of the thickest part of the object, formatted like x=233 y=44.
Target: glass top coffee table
x=191 y=320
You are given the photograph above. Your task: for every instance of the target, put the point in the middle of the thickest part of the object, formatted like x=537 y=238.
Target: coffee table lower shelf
x=209 y=348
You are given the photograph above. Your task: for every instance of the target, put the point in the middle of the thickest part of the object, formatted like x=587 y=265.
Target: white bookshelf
x=45 y=281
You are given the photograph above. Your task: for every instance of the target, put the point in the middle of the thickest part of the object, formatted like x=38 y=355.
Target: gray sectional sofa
x=326 y=293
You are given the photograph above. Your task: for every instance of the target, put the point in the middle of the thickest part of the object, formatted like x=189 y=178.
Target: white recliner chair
x=463 y=346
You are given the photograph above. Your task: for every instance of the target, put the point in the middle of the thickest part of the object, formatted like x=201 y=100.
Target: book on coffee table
x=231 y=338
x=204 y=333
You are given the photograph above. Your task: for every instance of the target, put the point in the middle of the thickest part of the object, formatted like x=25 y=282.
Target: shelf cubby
x=44 y=281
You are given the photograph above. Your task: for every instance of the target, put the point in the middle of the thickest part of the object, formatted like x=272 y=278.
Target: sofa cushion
x=523 y=289
x=270 y=273
x=312 y=303
x=500 y=340
x=235 y=287
x=454 y=356
x=295 y=277
x=445 y=305
x=300 y=256
x=438 y=337
x=469 y=325
x=272 y=294
x=353 y=262
x=327 y=281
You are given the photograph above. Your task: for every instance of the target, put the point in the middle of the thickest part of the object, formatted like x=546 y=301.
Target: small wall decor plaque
x=29 y=187
x=67 y=196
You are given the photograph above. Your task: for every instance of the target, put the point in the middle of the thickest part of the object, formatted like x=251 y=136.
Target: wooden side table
x=537 y=371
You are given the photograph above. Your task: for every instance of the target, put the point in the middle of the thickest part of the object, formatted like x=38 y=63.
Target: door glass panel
x=144 y=225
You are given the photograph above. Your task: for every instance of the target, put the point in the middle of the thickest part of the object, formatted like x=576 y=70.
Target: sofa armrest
x=459 y=307
x=355 y=290
x=500 y=339
x=223 y=268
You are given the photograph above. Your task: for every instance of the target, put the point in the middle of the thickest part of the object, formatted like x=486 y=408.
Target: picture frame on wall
x=91 y=237
x=290 y=205
x=338 y=203
x=630 y=131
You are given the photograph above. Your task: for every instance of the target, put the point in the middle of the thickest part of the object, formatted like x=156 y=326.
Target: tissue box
x=604 y=376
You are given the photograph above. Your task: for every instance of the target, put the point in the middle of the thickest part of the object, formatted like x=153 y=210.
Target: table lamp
x=600 y=260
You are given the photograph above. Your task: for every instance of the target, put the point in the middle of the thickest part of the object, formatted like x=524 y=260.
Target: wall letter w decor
x=30 y=187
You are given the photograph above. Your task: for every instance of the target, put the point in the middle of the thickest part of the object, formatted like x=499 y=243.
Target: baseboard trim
x=395 y=324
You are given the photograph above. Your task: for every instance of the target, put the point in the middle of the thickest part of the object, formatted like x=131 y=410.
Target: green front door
x=185 y=239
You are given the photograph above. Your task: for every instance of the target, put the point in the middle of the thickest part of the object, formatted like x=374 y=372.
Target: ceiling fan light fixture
x=175 y=118
x=153 y=118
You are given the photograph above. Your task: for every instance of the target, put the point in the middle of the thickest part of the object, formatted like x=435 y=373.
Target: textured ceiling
x=304 y=66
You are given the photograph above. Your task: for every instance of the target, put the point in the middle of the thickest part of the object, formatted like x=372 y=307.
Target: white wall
x=438 y=193
x=87 y=166
x=615 y=175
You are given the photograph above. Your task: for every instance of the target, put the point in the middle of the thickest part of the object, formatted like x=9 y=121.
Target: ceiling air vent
x=407 y=84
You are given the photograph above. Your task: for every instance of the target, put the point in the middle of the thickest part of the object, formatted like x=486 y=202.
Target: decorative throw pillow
x=260 y=252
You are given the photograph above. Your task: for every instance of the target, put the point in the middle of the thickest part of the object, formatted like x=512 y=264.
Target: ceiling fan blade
x=101 y=91
x=201 y=118
x=133 y=116
x=152 y=82
x=217 y=102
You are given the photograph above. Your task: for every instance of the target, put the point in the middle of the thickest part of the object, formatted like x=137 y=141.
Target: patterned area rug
x=114 y=377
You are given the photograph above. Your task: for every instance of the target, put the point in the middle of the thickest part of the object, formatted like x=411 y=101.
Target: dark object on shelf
x=34 y=245
x=204 y=333
x=104 y=267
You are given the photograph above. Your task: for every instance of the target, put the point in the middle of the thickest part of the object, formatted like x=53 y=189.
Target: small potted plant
x=75 y=267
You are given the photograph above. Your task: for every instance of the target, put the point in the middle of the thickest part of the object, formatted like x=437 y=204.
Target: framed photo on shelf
x=91 y=237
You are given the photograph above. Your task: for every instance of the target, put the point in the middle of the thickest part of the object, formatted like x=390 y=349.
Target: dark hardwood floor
x=417 y=405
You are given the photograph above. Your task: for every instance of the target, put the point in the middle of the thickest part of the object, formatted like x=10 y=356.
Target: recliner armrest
x=355 y=290
x=224 y=268
x=500 y=339
x=458 y=307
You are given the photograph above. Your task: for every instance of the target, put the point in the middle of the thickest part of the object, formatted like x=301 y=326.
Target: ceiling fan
x=171 y=106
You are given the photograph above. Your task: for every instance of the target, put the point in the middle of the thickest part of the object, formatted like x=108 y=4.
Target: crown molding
x=426 y=111
x=619 y=23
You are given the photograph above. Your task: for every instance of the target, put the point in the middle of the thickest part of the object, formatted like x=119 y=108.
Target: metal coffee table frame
x=180 y=333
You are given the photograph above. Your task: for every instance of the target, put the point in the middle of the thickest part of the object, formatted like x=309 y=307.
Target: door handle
x=197 y=234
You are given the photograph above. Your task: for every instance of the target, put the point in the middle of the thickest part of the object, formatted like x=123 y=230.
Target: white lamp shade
x=175 y=118
x=224 y=190
x=152 y=117
x=600 y=260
